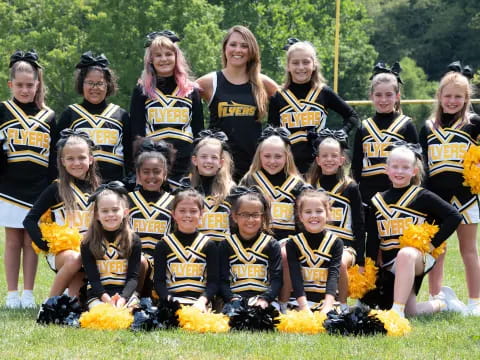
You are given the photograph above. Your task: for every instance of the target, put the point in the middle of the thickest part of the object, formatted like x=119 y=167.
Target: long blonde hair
x=26 y=67
x=317 y=80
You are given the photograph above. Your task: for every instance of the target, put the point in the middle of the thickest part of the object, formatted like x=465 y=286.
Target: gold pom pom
x=106 y=317
x=302 y=322
x=37 y=250
x=439 y=250
x=60 y=237
x=192 y=319
x=418 y=236
x=361 y=283
x=393 y=323
x=471 y=170
x=46 y=218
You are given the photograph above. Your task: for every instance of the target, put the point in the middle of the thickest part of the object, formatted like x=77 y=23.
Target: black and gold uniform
x=105 y=124
x=302 y=108
x=28 y=160
x=233 y=110
x=114 y=272
x=347 y=216
x=281 y=191
x=373 y=142
x=444 y=148
x=170 y=117
x=250 y=268
x=186 y=266
x=314 y=264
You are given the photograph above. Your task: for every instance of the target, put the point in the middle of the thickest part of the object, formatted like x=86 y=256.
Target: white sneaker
x=473 y=309
x=28 y=301
x=450 y=298
x=13 y=301
x=283 y=307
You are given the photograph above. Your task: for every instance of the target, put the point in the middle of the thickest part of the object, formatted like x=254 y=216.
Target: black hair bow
x=30 y=56
x=66 y=133
x=416 y=148
x=154 y=34
x=281 y=132
x=381 y=68
x=466 y=70
x=290 y=42
x=162 y=147
x=239 y=191
x=214 y=133
x=116 y=186
x=316 y=138
x=88 y=59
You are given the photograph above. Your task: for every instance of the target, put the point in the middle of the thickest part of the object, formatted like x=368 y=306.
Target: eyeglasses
x=92 y=84
x=247 y=216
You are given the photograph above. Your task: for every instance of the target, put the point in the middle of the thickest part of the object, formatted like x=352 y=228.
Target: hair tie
x=466 y=70
x=115 y=186
x=88 y=59
x=281 y=132
x=316 y=138
x=65 y=134
x=30 y=56
x=290 y=42
x=154 y=34
x=415 y=148
x=381 y=68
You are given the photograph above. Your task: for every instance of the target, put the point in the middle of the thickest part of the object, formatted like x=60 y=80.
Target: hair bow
x=88 y=59
x=30 y=56
x=212 y=133
x=281 y=132
x=239 y=191
x=316 y=138
x=415 y=148
x=290 y=42
x=381 y=68
x=67 y=133
x=116 y=186
x=154 y=34
x=466 y=70
x=159 y=146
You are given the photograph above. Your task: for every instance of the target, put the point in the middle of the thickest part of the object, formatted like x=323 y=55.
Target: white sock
x=27 y=292
x=399 y=309
x=12 y=294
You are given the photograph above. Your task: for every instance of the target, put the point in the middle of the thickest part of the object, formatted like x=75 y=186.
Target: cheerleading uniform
x=233 y=110
x=314 y=264
x=250 y=268
x=28 y=159
x=444 y=149
x=105 y=124
x=348 y=222
x=175 y=119
x=302 y=108
x=373 y=142
x=281 y=191
x=113 y=273
x=186 y=267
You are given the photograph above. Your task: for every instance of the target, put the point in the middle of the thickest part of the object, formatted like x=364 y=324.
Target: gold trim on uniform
x=112 y=268
x=215 y=220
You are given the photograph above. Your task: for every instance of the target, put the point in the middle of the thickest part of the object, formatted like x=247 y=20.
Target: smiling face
x=187 y=215
x=300 y=66
x=273 y=156
x=313 y=214
x=95 y=87
x=163 y=61
x=237 y=51
x=76 y=158
x=151 y=174
x=24 y=86
x=110 y=211
x=248 y=217
x=384 y=97
x=330 y=157
x=452 y=98
x=401 y=168
x=208 y=159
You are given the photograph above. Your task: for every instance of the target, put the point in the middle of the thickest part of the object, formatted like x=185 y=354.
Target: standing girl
x=110 y=250
x=211 y=175
x=67 y=198
x=26 y=125
x=165 y=104
x=445 y=138
x=376 y=135
x=329 y=173
x=303 y=102
x=103 y=122
x=237 y=95
x=392 y=212
x=186 y=261
x=314 y=255
x=250 y=259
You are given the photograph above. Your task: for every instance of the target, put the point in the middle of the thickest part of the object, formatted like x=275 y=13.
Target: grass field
x=442 y=336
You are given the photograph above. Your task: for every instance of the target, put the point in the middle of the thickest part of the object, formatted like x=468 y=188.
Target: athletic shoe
x=28 y=301
x=473 y=309
x=13 y=301
x=453 y=303
x=283 y=307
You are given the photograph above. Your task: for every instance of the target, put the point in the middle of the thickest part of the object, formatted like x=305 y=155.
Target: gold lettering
x=29 y=138
x=168 y=115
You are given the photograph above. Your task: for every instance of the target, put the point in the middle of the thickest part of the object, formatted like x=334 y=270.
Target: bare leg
x=30 y=262
x=435 y=276
x=13 y=250
x=467 y=236
x=347 y=259
x=286 y=289
x=408 y=264
x=68 y=264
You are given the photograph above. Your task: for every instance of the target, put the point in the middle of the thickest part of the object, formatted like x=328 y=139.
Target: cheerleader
x=314 y=255
x=110 y=250
x=165 y=104
x=211 y=175
x=445 y=138
x=376 y=135
x=303 y=103
x=250 y=259
x=103 y=122
x=392 y=212
x=237 y=96
x=329 y=172
x=26 y=161
x=67 y=199
x=186 y=261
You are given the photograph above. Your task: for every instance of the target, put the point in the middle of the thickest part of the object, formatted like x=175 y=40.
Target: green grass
x=441 y=336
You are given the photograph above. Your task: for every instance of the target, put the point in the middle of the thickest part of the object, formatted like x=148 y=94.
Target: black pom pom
x=355 y=321
x=382 y=296
x=250 y=318
x=61 y=310
x=162 y=315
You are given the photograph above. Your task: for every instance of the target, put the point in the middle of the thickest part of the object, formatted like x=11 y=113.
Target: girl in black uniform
x=314 y=255
x=250 y=259
x=237 y=96
x=303 y=102
x=110 y=250
x=103 y=122
x=26 y=157
x=329 y=173
x=445 y=138
x=67 y=198
x=392 y=212
x=165 y=104
x=186 y=261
